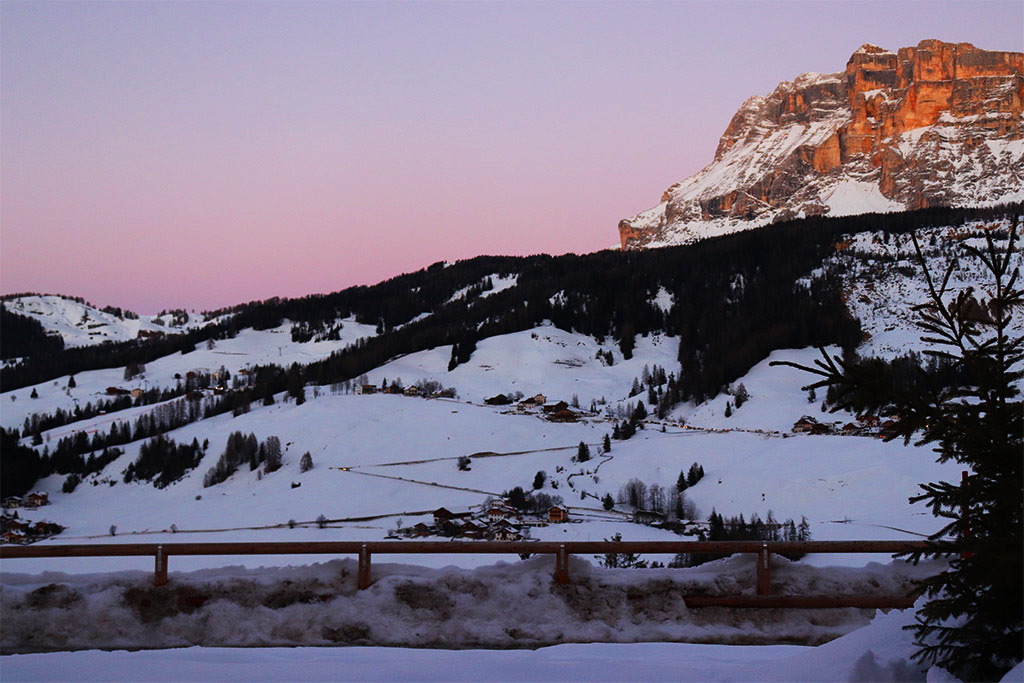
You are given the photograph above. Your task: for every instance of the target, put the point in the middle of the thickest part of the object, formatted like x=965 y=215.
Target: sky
x=158 y=155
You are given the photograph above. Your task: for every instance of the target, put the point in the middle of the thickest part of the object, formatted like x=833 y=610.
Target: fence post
x=363 y=580
x=764 y=571
x=160 y=578
x=562 y=566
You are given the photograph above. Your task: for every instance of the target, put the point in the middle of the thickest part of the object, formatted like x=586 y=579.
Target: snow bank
x=505 y=605
x=878 y=652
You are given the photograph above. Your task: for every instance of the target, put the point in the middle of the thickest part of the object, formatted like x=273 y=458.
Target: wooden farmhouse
x=35 y=499
x=557 y=514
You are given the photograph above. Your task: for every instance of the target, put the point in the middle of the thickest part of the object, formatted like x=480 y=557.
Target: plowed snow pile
x=506 y=605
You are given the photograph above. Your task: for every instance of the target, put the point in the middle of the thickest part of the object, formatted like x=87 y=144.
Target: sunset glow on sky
x=201 y=154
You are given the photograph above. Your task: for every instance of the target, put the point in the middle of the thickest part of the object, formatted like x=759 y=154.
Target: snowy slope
x=81 y=324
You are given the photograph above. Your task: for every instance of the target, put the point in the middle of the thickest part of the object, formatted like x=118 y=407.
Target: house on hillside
x=442 y=515
x=868 y=420
x=136 y=393
x=564 y=415
x=471 y=529
x=366 y=389
x=452 y=527
x=504 y=531
x=421 y=529
x=14 y=502
x=498 y=512
x=557 y=514
x=412 y=391
x=499 y=400
x=13 y=537
x=805 y=424
x=555 y=407
x=36 y=499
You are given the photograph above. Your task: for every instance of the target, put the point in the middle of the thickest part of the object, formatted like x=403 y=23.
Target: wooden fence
x=762 y=550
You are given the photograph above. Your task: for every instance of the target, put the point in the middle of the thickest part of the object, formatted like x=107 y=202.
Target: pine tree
x=582 y=452
x=608 y=502
x=973 y=621
x=305 y=462
x=741 y=395
x=607 y=444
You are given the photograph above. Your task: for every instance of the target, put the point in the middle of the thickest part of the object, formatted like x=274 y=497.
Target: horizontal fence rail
x=561 y=550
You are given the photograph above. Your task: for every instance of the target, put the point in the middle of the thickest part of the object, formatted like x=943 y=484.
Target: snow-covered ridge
x=81 y=324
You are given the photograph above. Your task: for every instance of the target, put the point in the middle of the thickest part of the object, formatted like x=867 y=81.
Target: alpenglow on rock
x=939 y=124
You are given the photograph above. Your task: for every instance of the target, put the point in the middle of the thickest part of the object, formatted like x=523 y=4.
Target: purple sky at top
x=201 y=154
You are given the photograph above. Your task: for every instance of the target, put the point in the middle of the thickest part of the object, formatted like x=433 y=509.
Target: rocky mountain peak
x=939 y=124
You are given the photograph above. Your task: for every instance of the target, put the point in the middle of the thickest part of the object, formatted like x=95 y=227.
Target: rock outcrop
x=939 y=124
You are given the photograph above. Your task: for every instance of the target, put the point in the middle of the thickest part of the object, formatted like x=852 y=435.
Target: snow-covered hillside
x=81 y=324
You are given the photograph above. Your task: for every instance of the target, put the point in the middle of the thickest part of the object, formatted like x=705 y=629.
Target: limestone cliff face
x=937 y=124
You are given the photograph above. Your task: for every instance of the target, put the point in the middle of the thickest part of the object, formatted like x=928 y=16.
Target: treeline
x=737 y=529
x=21 y=336
x=735 y=301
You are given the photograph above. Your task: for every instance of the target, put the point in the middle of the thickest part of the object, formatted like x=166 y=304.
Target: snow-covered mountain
x=939 y=124
x=82 y=324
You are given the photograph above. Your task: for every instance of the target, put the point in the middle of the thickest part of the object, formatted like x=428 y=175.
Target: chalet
x=117 y=391
x=868 y=420
x=14 y=502
x=452 y=527
x=555 y=407
x=499 y=400
x=539 y=399
x=35 y=499
x=507 y=533
x=849 y=429
x=412 y=391
x=366 y=389
x=13 y=537
x=805 y=424
x=394 y=389
x=442 y=515
x=421 y=529
x=446 y=393
x=471 y=529
x=564 y=415
x=136 y=393
x=499 y=512
x=557 y=514
x=15 y=525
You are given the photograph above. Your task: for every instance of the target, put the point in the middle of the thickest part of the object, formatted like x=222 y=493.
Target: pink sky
x=201 y=154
